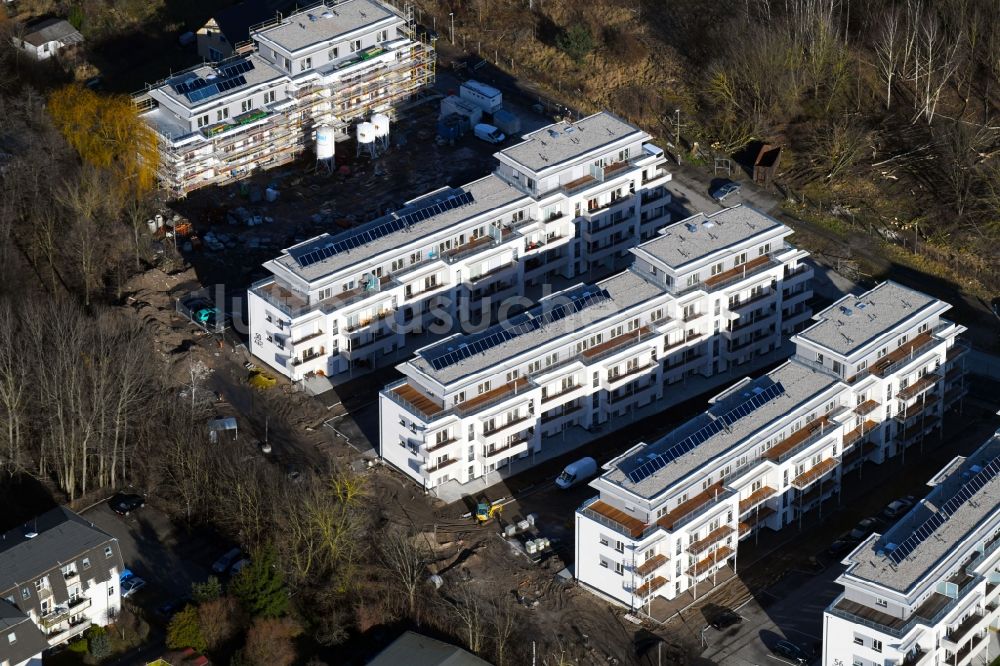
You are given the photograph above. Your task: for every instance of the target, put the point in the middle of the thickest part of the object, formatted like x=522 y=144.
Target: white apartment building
x=705 y=294
x=926 y=591
x=58 y=576
x=870 y=378
x=341 y=302
x=326 y=65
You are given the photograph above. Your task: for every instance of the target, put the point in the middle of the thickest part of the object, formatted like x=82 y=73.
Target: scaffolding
x=281 y=132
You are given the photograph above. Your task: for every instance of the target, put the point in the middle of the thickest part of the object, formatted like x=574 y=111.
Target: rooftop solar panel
x=349 y=241
x=699 y=436
x=927 y=528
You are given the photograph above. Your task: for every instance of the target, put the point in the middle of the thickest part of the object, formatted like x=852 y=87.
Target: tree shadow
x=23 y=497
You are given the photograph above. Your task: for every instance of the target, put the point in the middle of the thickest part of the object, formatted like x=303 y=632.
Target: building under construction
x=307 y=75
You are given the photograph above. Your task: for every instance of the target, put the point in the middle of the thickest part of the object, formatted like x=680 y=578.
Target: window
x=620 y=546
x=25 y=593
x=764 y=249
x=203 y=120
x=619 y=568
x=107 y=551
x=269 y=97
x=604 y=540
x=12 y=638
x=111 y=590
x=717 y=268
x=288 y=64
x=86 y=563
x=334 y=53
x=741 y=258
x=306 y=64
x=355 y=45
x=604 y=563
x=222 y=114
x=881 y=602
x=246 y=105
x=858 y=640
x=483 y=388
x=383 y=36
x=693 y=279
x=876 y=645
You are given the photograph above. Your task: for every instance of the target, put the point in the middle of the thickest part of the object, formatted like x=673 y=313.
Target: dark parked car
x=864 y=528
x=897 y=508
x=172 y=607
x=125 y=503
x=839 y=547
x=725 y=618
x=791 y=651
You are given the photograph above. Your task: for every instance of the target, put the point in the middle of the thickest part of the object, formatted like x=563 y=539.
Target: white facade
x=926 y=591
x=340 y=303
x=326 y=65
x=586 y=356
x=770 y=451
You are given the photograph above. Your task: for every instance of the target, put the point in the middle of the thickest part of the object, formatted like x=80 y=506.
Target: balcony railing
x=916 y=388
x=652 y=564
x=652 y=586
x=802 y=438
x=509 y=424
x=810 y=476
x=441 y=465
x=613 y=518
x=756 y=498
x=710 y=539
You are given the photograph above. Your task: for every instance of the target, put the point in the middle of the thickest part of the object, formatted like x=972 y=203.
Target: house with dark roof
x=58 y=574
x=416 y=649
x=21 y=642
x=44 y=39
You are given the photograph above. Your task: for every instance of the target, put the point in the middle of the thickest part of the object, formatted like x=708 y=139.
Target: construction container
x=487 y=98
x=471 y=114
x=530 y=547
x=450 y=127
x=507 y=122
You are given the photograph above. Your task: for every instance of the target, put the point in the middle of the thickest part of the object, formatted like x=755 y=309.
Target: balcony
x=810 y=476
x=854 y=435
x=578 y=184
x=415 y=400
x=956 y=351
x=766 y=294
x=693 y=507
x=867 y=407
x=651 y=565
x=652 y=586
x=714 y=558
x=490 y=398
x=614 y=345
x=958 y=634
x=755 y=519
x=441 y=465
x=977 y=643
x=492 y=273
x=368 y=321
x=713 y=537
x=739 y=273
x=307 y=357
x=509 y=424
x=904 y=354
x=922 y=408
x=615 y=378
x=916 y=388
x=54 y=617
x=616 y=519
x=439 y=444
x=549 y=397
x=930 y=612
x=756 y=498
x=306 y=338
x=64 y=635
x=802 y=438
x=512 y=448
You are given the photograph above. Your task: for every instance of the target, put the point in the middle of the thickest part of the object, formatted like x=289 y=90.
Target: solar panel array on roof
x=228 y=77
x=517 y=326
x=397 y=223
x=692 y=441
x=926 y=528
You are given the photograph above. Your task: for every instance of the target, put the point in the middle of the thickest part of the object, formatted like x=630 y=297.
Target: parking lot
x=166 y=556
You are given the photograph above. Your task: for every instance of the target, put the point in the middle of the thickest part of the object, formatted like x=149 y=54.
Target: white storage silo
x=366 y=138
x=325 y=146
x=381 y=123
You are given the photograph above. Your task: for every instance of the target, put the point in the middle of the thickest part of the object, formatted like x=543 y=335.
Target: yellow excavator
x=486 y=511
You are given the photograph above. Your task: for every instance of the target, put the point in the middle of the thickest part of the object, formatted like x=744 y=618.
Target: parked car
x=791 y=651
x=222 y=564
x=130 y=584
x=172 y=607
x=725 y=190
x=864 y=528
x=897 y=508
x=725 y=618
x=125 y=503
x=238 y=566
x=840 y=546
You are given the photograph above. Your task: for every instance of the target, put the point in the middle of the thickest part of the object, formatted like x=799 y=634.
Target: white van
x=576 y=472
x=489 y=133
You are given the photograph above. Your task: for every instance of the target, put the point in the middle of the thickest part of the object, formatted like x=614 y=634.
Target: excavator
x=486 y=511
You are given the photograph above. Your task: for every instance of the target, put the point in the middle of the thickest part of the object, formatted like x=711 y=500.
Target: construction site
x=262 y=108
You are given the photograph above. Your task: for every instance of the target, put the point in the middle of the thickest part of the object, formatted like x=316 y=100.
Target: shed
x=765 y=166
x=44 y=39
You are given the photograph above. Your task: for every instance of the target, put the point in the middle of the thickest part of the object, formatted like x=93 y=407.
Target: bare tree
x=935 y=62
x=13 y=392
x=889 y=49
x=471 y=615
x=404 y=558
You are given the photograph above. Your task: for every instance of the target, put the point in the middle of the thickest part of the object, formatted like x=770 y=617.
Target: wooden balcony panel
x=811 y=475
x=796 y=438
x=651 y=586
x=616 y=342
x=632 y=525
x=916 y=410
x=900 y=353
x=696 y=502
x=916 y=387
x=716 y=556
x=867 y=407
x=859 y=432
x=746 y=268
x=651 y=565
x=499 y=392
x=712 y=537
x=755 y=498
x=417 y=398
x=754 y=518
